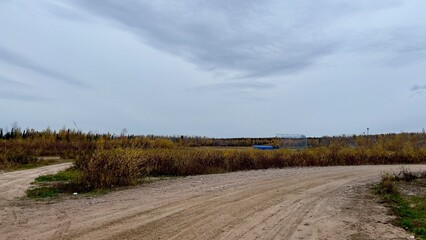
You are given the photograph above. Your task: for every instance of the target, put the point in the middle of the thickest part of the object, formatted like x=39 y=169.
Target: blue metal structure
x=263 y=147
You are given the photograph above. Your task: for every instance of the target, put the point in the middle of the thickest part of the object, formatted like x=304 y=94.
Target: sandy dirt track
x=296 y=203
x=14 y=184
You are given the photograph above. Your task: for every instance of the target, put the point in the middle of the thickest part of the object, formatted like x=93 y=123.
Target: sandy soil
x=296 y=203
x=14 y=184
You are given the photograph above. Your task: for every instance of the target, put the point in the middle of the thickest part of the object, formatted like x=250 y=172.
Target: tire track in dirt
x=64 y=226
x=200 y=208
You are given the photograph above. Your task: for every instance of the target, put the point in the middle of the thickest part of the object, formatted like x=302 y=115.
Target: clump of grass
x=63 y=182
x=43 y=192
x=54 y=189
x=410 y=210
x=67 y=175
x=407 y=175
x=386 y=187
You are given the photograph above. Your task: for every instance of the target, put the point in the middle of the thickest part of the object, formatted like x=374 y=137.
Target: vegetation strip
x=25 y=147
x=105 y=161
x=405 y=194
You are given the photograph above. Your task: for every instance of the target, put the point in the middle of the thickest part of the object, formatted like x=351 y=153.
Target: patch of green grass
x=410 y=210
x=412 y=214
x=43 y=192
x=63 y=182
x=66 y=175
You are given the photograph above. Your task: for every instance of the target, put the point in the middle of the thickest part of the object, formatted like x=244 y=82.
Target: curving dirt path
x=14 y=184
x=296 y=203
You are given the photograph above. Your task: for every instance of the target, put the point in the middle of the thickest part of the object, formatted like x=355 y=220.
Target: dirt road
x=14 y=184
x=297 y=203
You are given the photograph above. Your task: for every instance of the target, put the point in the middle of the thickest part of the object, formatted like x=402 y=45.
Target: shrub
x=109 y=168
x=386 y=185
x=19 y=157
x=406 y=175
x=238 y=160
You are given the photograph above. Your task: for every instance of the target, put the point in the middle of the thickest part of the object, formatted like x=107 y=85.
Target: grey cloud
x=253 y=38
x=64 y=11
x=238 y=90
x=16 y=59
x=418 y=93
x=239 y=86
x=418 y=88
x=404 y=44
x=9 y=81
x=8 y=95
x=245 y=97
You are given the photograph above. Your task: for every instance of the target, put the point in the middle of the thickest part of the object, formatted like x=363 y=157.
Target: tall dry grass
x=116 y=167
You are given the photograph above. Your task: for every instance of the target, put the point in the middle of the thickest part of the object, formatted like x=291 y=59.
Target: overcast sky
x=223 y=68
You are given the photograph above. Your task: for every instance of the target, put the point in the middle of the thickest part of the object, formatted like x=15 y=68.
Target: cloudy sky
x=224 y=68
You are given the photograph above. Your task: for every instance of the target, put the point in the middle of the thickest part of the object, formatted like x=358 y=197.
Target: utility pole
x=368 y=130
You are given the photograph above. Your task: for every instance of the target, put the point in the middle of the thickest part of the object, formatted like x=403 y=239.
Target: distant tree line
x=153 y=141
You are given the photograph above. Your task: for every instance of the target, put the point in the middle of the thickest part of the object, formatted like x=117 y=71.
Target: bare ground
x=296 y=203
